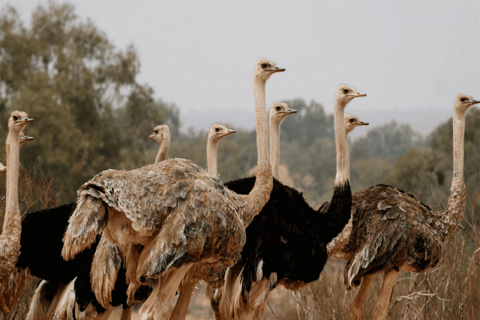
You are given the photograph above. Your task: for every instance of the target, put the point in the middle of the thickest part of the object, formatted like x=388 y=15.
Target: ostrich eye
x=15 y=118
x=345 y=90
x=352 y=120
x=264 y=65
x=278 y=108
x=463 y=99
x=156 y=131
x=217 y=129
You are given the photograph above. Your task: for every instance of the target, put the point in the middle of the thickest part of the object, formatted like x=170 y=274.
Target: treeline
x=92 y=114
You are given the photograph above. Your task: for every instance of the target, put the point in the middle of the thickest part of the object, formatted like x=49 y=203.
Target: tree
x=89 y=109
x=386 y=142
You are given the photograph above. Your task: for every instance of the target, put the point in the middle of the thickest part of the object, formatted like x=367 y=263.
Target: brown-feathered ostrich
x=76 y=298
x=11 y=283
x=392 y=231
x=177 y=211
x=212 y=274
x=286 y=242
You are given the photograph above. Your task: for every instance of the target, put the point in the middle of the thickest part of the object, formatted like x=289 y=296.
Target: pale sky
x=411 y=57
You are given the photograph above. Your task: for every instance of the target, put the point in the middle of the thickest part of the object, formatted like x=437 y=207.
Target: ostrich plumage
x=179 y=213
x=391 y=231
x=287 y=242
x=289 y=237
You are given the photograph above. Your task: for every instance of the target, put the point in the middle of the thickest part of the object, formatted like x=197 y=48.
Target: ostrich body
x=393 y=231
x=286 y=242
x=12 y=282
x=178 y=212
x=212 y=274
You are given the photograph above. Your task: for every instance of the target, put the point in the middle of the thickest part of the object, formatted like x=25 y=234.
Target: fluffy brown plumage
x=178 y=212
x=393 y=231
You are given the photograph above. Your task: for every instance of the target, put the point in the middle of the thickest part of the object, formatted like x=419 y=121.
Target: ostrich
x=288 y=238
x=77 y=295
x=178 y=212
x=162 y=135
x=278 y=112
x=210 y=273
x=10 y=281
x=392 y=231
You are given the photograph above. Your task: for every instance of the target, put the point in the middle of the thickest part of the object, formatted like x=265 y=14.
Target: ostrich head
x=351 y=122
x=23 y=138
x=264 y=68
x=463 y=102
x=217 y=132
x=345 y=94
x=279 y=111
x=160 y=133
x=18 y=120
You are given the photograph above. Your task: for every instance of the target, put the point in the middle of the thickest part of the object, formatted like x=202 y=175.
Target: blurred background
x=98 y=76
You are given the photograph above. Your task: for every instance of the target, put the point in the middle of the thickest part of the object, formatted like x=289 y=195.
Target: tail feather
x=12 y=289
x=361 y=260
x=85 y=224
x=232 y=297
x=104 y=272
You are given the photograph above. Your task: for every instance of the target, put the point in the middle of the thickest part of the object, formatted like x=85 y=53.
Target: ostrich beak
x=363 y=123
x=475 y=101
x=289 y=111
x=229 y=132
x=26 y=138
x=276 y=69
x=28 y=120
x=152 y=136
x=360 y=95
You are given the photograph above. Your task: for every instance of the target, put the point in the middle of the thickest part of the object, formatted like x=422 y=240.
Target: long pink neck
x=458 y=195
x=343 y=168
x=212 y=157
x=162 y=151
x=260 y=193
x=12 y=225
x=274 y=128
x=13 y=155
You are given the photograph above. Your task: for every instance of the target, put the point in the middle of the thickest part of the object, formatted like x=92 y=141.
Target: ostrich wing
x=390 y=228
x=175 y=204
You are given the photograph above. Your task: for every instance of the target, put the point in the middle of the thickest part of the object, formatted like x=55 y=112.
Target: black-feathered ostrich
x=392 y=231
x=286 y=242
x=71 y=278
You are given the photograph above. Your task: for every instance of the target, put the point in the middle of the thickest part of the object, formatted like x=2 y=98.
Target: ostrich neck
x=274 y=128
x=162 y=152
x=212 y=157
x=260 y=193
x=343 y=170
x=458 y=195
x=12 y=225
x=13 y=154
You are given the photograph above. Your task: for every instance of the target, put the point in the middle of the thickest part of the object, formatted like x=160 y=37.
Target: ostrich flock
x=144 y=236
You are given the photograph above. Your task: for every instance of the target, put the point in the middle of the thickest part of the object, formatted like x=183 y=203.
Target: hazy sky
x=411 y=57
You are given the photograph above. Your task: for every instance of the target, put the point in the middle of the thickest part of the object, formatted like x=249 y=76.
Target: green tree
x=386 y=142
x=91 y=114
